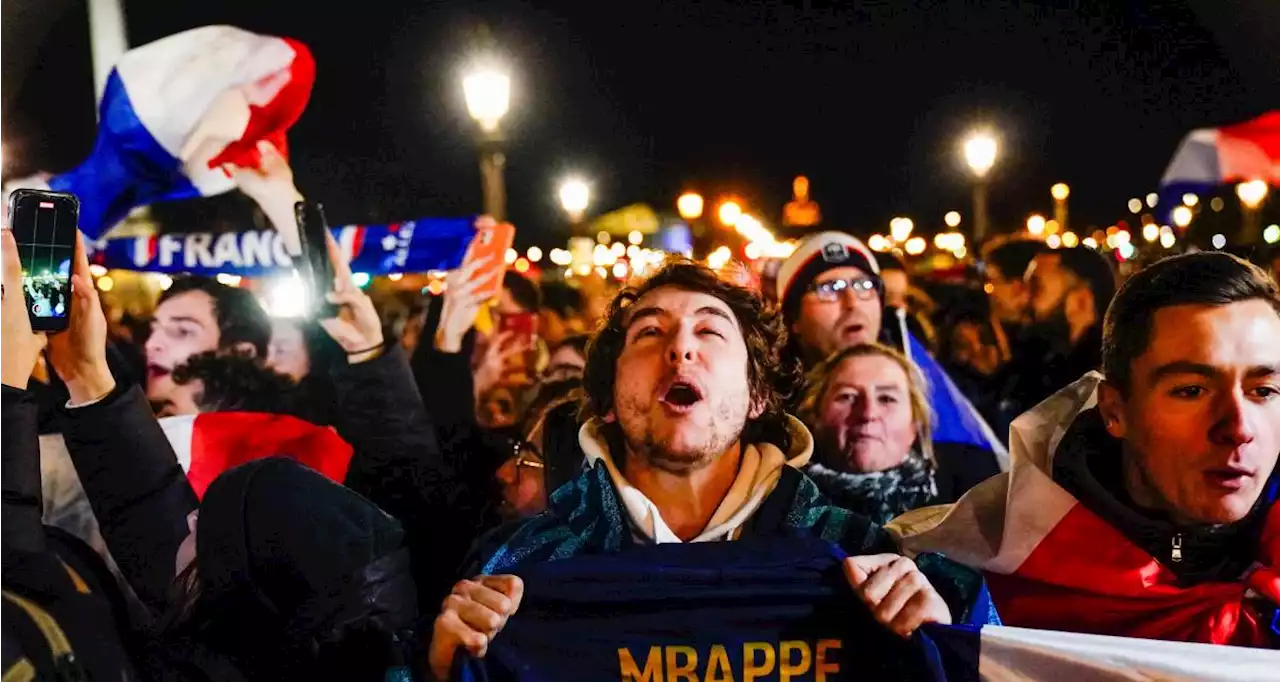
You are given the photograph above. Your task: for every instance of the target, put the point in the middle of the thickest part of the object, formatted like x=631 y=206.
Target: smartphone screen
x=44 y=227
x=520 y=324
x=314 y=263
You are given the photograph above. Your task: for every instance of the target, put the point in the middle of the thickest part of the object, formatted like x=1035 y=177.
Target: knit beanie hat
x=819 y=253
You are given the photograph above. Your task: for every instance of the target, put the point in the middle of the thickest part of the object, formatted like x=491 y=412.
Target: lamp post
x=488 y=94
x=1252 y=194
x=980 y=151
x=575 y=196
x=1060 y=192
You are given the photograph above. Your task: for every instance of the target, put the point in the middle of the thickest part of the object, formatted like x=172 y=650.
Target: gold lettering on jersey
x=787 y=661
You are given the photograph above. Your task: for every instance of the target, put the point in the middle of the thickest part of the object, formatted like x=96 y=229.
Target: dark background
x=647 y=98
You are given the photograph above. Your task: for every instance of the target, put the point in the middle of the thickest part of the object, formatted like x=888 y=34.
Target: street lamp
x=1060 y=192
x=575 y=196
x=729 y=212
x=900 y=229
x=1252 y=194
x=690 y=205
x=980 y=151
x=952 y=219
x=488 y=93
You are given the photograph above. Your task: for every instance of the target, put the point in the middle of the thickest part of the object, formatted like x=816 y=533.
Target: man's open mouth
x=156 y=372
x=681 y=394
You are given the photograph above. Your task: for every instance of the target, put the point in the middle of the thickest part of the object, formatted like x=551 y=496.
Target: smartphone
x=492 y=241
x=44 y=226
x=520 y=324
x=313 y=263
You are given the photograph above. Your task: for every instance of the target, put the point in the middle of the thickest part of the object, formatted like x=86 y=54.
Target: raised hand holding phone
x=19 y=346
x=463 y=295
x=79 y=355
x=356 y=327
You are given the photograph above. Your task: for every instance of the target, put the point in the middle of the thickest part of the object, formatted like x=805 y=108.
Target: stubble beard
x=726 y=428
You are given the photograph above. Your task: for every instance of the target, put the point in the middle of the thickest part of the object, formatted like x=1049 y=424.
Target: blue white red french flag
x=176 y=110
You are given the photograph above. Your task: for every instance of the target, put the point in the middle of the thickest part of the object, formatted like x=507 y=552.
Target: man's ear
x=1079 y=305
x=1111 y=407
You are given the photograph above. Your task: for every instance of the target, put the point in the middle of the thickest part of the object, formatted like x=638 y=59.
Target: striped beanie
x=819 y=253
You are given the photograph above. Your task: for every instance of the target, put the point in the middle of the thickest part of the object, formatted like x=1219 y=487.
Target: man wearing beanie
x=831 y=295
x=832 y=298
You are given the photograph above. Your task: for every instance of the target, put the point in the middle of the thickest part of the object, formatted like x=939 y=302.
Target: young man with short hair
x=687 y=441
x=1145 y=501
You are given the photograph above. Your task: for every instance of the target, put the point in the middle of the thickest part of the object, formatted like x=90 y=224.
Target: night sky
x=649 y=98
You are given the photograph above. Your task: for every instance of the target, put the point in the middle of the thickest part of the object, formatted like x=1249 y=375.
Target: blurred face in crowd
x=498 y=408
x=565 y=363
x=182 y=326
x=1009 y=295
x=970 y=348
x=287 y=353
x=523 y=477
x=1201 y=420
x=834 y=321
x=681 y=394
x=180 y=399
x=895 y=288
x=866 y=415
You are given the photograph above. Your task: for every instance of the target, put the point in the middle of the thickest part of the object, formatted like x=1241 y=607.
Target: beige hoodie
x=761 y=467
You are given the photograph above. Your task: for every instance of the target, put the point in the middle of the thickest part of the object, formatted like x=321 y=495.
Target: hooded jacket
x=292 y=569
x=1064 y=549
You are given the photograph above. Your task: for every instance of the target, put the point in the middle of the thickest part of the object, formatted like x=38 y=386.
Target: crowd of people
x=395 y=482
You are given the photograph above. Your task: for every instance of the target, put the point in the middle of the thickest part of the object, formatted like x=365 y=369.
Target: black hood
x=1087 y=464
x=282 y=546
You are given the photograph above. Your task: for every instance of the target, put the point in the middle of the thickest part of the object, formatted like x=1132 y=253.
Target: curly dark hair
x=234 y=382
x=772 y=375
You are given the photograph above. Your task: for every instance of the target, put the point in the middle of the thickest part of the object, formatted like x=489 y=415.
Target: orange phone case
x=492 y=239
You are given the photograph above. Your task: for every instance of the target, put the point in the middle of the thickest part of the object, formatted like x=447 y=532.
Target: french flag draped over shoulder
x=1052 y=563
x=1207 y=157
x=210 y=443
x=178 y=109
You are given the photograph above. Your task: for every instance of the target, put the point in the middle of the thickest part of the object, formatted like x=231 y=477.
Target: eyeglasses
x=527 y=457
x=831 y=289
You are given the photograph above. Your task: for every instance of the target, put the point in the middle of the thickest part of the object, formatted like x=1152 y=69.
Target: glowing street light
x=1182 y=216
x=729 y=212
x=488 y=93
x=900 y=229
x=1035 y=224
x=1190 y=199
x=980 y=152
x=575 y=196
x=1135 y=206
x=1060 y=192
x=952 y=219
x=690 y=205
x=487 y=90
x=1252 y=194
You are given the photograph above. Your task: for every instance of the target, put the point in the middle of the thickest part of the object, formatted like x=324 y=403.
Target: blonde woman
x=868 y=410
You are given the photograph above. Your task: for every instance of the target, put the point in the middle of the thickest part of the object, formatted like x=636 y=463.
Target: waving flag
x=1211 y=156
x=1052 y=563
x=411 y=246
x=175 y=111
x=956 y=419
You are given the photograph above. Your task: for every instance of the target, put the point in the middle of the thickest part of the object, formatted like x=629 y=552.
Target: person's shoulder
x=963 y=464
